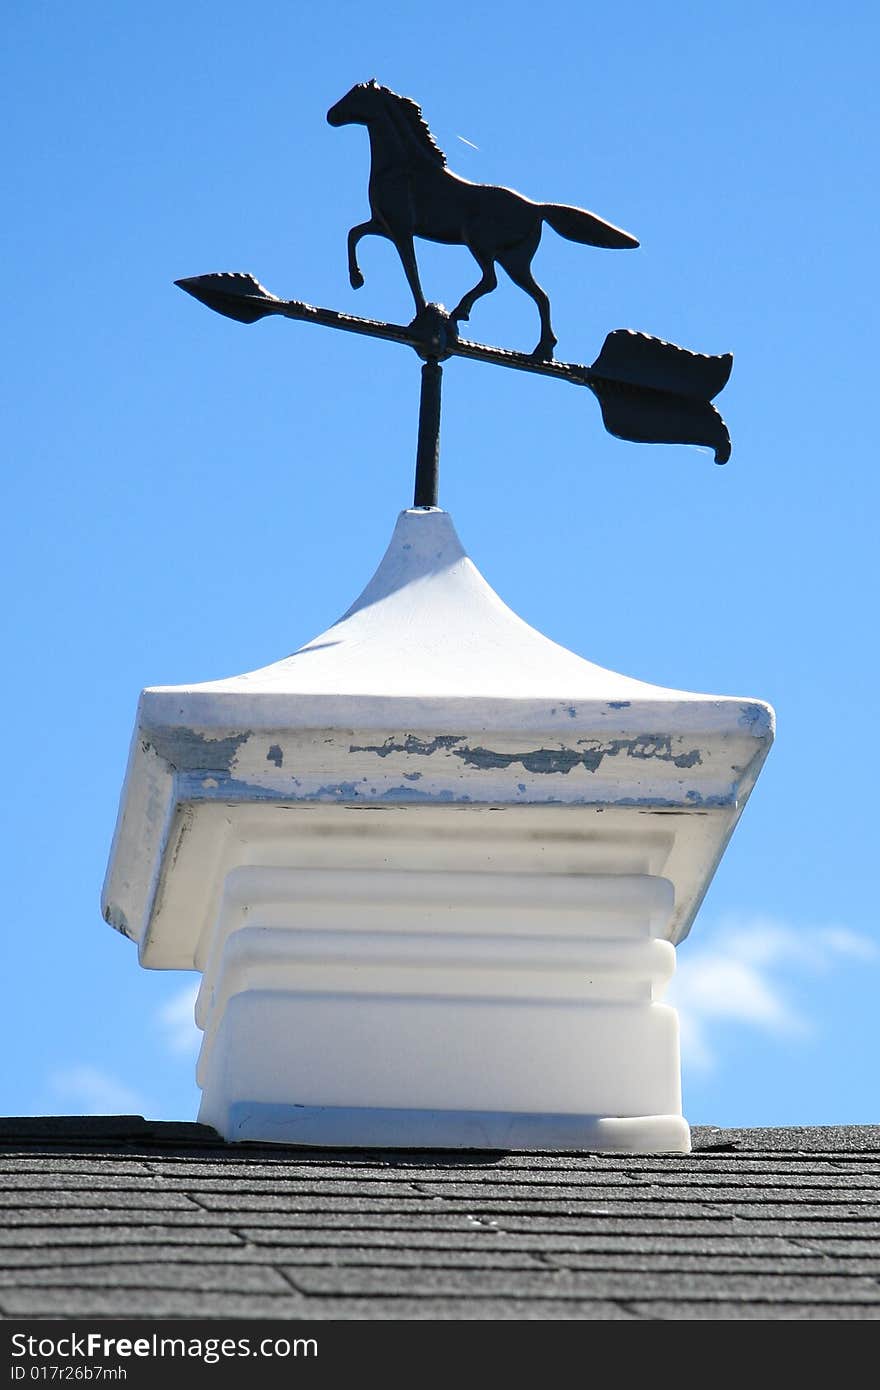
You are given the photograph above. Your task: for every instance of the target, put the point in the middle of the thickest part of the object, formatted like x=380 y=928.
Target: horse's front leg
x=371 y=228
x=407 y=253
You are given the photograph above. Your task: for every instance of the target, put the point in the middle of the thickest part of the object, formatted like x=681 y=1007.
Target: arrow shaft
x=574 y=372
x=459 y=347
x=649 y=390
x=236 y=304
x=349 y=323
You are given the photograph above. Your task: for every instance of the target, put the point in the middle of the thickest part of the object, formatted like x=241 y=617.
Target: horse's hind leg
x=483 y=286
x=371 y=228
x=518 y=263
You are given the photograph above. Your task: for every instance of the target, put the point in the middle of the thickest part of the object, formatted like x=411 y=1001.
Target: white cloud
x=176 y=1021
x=86 y=1090
x=744 y=979
x=83 y=1089
x=849 y=943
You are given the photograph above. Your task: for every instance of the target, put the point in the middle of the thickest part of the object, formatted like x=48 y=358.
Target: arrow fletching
x=653 y=392
x=637 y=359
x=656 y=417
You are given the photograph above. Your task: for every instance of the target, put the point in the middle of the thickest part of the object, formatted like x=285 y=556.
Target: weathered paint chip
x=189 y=751
x=410 y=744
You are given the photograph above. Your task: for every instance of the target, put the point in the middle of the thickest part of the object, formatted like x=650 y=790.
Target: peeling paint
x=353 y=792
x=357 y=794
x=619 y=704
x=697 y=799
x=115 y=917
x=187 y=750
x=237 y=789
x=414 y=794
x=589 y=753
x=755 y=718
x=663 y=805
x=186 y=824
x=563 y=760
x=334 y=790
x=540 y=760
x=275 y=755
x=691 y=759
x=412 y=776
x=410 y=744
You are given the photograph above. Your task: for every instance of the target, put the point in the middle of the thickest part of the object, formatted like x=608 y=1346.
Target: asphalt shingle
x=98 y=1215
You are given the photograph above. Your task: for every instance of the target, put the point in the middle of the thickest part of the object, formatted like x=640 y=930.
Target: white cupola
x=433 y=869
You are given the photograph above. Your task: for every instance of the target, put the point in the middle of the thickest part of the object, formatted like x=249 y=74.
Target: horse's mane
x=417 y=126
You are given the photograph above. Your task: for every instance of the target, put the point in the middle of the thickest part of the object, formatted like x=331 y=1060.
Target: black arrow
x=649 y=391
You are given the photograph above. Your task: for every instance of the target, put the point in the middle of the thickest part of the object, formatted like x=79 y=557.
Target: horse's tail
x=577 y=225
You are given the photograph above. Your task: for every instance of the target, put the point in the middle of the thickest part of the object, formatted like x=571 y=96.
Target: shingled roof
x=755 y=1223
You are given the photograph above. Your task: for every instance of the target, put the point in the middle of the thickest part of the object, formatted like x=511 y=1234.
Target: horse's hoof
x=459 y=316
x=544 y=351
x=356 y=279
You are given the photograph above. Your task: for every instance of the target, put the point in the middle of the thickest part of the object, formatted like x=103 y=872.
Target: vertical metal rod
x=428 y=448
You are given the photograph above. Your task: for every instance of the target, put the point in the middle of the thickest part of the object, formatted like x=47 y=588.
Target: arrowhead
x=232 y=293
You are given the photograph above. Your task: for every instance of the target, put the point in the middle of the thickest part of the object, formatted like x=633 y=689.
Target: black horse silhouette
x=412 y=193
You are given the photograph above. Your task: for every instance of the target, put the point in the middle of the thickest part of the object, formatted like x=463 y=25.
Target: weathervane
x=649 y=391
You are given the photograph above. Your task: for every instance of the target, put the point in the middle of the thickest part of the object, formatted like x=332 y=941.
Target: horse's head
x=358 y=106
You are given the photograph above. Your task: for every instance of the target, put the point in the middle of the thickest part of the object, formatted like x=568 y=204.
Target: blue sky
x=187 y=498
